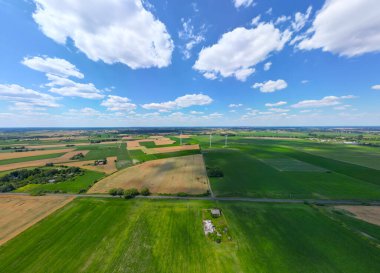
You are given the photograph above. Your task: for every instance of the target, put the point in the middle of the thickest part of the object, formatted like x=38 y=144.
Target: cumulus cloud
x=87 y=111
x=271 y=86
x=54 y=66
x=243 y=3
x=282 y=19
x=376 y=87
x=118 y=31
x=324 y=102
x=280 y=103
x=300 y=19
x=191 y=38
x=26 y=99
x=116 y=103
x=180 y=102
x=196 y=113
x=238 y=51
x=267 y=66
x=233 y=105
x=348 y=28
x=68 y=88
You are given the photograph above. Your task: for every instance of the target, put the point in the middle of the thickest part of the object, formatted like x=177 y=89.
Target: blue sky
x=189 y=63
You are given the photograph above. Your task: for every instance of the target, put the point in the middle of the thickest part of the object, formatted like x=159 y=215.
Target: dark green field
x=281 y=169
x=97 y=235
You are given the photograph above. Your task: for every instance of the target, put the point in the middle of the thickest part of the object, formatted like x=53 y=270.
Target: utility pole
x=226 y=141
x=180 y=138
x=210 y=140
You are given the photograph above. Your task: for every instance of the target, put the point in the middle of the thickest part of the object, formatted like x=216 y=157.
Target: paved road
x=242 y=199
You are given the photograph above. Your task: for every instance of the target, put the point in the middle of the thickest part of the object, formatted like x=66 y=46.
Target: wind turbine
x=210 y=140
x=180 y=138
x=226 y=141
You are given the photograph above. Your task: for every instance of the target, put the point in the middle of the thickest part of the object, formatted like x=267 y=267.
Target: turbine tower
x=210 y=140
x=226 y=141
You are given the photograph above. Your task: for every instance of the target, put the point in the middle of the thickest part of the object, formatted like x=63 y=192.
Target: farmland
x=167 y=236
x=17 y=213
x=172 y=175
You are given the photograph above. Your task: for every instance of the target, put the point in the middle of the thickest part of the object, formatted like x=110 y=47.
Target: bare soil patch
x=4 y=156
x=172 y=149
x=370 y=214
x=42 y=162
x=17 y=213
x=170 y=175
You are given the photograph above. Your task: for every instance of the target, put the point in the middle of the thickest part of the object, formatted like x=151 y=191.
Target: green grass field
x=142 y=157
x=29 y=158
x=97 y=235
x=282 y=169
x=79 y=184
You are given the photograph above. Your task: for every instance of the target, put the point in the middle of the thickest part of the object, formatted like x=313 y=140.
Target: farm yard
x=172 y=175
x=167 y=236
x=17 y=213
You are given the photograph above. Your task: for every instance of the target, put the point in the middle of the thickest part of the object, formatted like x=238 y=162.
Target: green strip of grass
x=29 y=158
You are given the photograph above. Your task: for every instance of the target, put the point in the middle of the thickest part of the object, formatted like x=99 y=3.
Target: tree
x=145 y=191
x=116 y=192
x=130 y=193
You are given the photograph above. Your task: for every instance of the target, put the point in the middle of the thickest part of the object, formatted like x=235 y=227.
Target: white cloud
x=300 y=19
x=255 y=21
x=210 y=76
x=271 y=86
x=342 y=107
x=278 y=110
x=267 y=66
x=190 y=37
x=116 y=103
x=233 y=105
x=243 y=3
x=238 y=51
x=280 y=103
x=376 y=87
x=54 y=66
x=345 y=27
x=282 y=19
x=87 y=111
x=68 y=88
x=305 y=81
x=180 y=102
x=324 y=102
x=24 y=98
x=196 y=113
x=117 y=31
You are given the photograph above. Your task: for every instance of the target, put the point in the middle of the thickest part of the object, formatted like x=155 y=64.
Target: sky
x=120 y=63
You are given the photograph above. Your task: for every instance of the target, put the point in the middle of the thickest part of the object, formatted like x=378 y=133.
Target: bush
x=116 y=191
x=130 y=193
x=145 y=191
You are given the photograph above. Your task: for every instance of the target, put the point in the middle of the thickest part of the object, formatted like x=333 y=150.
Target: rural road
x=243 y=199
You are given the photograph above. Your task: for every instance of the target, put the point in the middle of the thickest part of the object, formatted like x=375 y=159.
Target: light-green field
x=97 y=235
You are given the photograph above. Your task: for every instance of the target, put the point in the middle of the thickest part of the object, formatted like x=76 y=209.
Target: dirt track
x=17 y=213
x=170 y=175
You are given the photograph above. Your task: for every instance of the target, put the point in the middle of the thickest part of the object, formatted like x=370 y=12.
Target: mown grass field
x=278 y=169
x=29 y=158
x=142 y=157
x=114 y=235
x=79 y=184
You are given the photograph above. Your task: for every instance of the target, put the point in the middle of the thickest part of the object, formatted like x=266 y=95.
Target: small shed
x=216 y=213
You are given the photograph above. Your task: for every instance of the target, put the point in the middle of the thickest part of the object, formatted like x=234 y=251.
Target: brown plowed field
x=370 y=214
x=170 y=175
x=17 y=213
x=41 y=162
